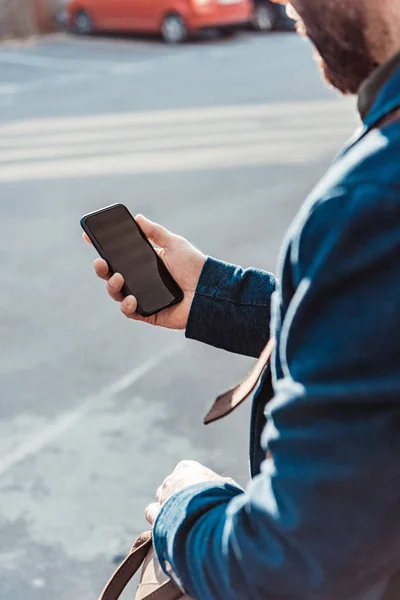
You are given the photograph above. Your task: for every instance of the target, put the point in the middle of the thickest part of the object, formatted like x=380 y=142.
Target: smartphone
x=121 y=242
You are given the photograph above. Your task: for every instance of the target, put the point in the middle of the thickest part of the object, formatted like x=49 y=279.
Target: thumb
x=157 y=234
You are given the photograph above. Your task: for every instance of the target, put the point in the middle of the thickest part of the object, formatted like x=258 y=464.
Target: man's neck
x=370 y=89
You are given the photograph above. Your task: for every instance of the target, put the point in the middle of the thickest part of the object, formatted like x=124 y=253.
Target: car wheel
x=173 y=29
x=83 y=23
x=263 y=19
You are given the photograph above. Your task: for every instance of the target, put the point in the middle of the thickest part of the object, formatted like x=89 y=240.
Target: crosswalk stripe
x=52 y=63
x=158 y=162
x=325 y=109
x=161 y=141
x=125 y=133
x=288 y=130
x=286 y=138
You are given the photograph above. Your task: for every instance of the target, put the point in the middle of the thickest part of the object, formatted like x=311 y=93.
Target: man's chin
x=342 y=68
x=346 y=75
x=334 y=79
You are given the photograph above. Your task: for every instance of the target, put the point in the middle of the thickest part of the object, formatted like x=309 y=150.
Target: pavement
x=218 y=140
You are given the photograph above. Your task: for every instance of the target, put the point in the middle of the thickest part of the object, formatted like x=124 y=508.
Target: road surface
x=219 y=141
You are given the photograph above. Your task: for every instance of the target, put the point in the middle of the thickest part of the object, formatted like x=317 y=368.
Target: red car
x=176 y=20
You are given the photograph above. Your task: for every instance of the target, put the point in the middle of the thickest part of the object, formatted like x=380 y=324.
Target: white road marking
x=106 y=135
x=195 y=140
x=191 y=159
x=53 y=63
x=299 y=110
x=34 y=444
x=72 y=76
x=171 y=140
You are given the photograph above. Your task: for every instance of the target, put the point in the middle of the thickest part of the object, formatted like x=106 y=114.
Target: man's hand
x=186 y=473
x=183 y=261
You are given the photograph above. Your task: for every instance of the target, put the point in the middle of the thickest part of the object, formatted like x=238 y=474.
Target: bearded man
x=320 y=519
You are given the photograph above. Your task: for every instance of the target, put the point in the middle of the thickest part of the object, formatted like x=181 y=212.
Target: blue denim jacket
x=321 y=520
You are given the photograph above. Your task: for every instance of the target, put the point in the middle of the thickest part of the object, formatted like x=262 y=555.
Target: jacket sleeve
x=321 y=521
x=231 y=308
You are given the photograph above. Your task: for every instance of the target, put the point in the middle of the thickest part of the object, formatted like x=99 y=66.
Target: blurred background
x=184 y=111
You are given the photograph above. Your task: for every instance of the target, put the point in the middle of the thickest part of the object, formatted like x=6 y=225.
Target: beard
x=337 y=29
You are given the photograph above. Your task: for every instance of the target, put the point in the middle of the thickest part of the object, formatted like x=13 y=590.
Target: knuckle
x=184 y=464
x=110 y=292
x=166 y=482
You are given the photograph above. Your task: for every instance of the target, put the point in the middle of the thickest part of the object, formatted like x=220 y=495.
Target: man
x=321 y=517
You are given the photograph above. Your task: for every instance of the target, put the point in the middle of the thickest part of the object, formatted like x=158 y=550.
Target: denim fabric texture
x=321 y=521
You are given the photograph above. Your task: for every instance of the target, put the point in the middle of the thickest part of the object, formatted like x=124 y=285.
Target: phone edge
x=98 y=249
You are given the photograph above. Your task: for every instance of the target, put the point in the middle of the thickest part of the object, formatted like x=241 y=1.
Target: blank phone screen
x=127 y=250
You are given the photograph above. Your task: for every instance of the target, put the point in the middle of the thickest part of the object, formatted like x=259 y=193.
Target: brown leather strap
x=389 y=119
x=230 y=400
x=128 y=569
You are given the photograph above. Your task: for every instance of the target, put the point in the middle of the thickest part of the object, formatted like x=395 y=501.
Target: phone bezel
x=126 y=291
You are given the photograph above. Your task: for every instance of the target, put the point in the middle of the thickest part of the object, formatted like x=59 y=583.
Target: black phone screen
x=121 y=242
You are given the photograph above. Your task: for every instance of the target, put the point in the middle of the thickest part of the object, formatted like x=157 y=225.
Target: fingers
x=115 y=282
x=86 y=238
x=151 y=512
x=114 y=287
x=129 y=306
x=101 y=268
x=156 y=233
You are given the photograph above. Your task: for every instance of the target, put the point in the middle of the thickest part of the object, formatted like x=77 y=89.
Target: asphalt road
x=219 y=141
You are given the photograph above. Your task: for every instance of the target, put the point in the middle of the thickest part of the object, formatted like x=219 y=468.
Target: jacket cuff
x=231 y=308
x=175 y=519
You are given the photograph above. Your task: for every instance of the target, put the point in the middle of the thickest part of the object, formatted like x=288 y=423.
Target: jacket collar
x=379 y=95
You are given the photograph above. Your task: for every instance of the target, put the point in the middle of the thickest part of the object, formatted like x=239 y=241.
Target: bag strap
x=128 y=569
x=389 y=119
x=230 y=400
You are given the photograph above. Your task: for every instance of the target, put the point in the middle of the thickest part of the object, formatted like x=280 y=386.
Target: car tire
x=83 y=23
x=173 y=29
x=263 y=18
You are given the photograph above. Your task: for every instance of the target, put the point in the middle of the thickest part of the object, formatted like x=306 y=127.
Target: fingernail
x=113 y=281
x=128 y=303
